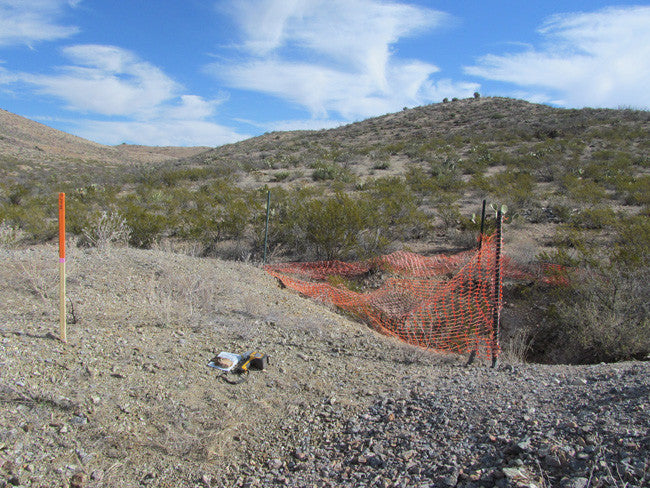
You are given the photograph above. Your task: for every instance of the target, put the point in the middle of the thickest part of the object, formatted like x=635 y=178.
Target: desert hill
x=457 y=130
x=576 y=184
x=28 y=143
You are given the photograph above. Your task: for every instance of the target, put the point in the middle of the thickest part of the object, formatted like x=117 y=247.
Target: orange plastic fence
x=443 y=302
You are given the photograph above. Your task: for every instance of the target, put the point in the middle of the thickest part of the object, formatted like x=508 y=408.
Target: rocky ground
x=129 y=401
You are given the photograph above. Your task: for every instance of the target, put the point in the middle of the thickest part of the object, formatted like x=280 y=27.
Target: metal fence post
x=496 y=314
x=474 y=352
x=480 y=237
x=266 y=227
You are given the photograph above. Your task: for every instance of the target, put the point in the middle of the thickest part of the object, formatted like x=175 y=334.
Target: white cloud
x=30 y=21
x=335 y=56
x=588 y=59
x=351 y=95
x=160 y=132
x=108 y=80
x=148 y=107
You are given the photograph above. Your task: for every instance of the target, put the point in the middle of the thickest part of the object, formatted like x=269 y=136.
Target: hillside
x=28 y=145
x=576 y=184
x=461 y=130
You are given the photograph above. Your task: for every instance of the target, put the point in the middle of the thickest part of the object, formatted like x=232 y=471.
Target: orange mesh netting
x=443 y=302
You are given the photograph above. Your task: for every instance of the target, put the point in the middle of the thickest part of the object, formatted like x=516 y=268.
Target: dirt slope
x=129 y=400
x=27 y=140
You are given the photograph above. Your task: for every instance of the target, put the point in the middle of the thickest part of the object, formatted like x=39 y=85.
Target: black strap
x=236 y=377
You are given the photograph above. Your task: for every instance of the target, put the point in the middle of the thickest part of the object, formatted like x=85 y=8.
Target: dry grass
x=10 y=235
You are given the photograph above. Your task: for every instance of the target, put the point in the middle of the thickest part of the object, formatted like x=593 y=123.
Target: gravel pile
x=527 y=425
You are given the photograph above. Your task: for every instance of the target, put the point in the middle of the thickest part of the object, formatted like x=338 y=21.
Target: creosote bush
x=603 y=314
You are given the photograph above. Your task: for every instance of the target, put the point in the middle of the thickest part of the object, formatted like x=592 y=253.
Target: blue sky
x=201 y=72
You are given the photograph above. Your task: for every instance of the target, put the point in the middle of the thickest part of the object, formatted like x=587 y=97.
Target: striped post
x=62 y=315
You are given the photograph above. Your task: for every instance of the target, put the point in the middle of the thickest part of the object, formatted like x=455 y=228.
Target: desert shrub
x=323 y=171
x=560 y=211
x=419 y=181
x=583 y=191
x=16 y=193
x=594 y=218
x=635 y=191
x=105 y=229
x=603 y=313
x=281 y=176
x=286 y=227
x=448 y=211
x=332 y=225
x=305 y=224
x=395 y=211
x=632 y=245
x=146 y=226
x=513 y=188
x=393 y=148
x=480 y=157
x=381 y=165
x=446 y=174
x=10 y=235
x=217 y=211
x=36 y=216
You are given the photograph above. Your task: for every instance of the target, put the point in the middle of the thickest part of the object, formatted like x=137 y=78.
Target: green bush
x=583 y=191
x=635 y=191
x=594 y=218
x=323 y=171
x=332 y=225
x=146 y=226
x=513 y=188
x=603 y=314
x=281 y=176
x=395 y=211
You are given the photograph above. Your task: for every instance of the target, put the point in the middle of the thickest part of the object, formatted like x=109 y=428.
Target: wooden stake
x=62 y=315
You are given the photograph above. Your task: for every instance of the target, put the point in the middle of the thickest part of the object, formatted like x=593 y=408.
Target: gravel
x=528 y=425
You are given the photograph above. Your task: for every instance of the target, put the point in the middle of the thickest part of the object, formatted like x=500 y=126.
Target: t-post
x=474 y=352
x=496 y=314
x=266 y=227
x=480 y=236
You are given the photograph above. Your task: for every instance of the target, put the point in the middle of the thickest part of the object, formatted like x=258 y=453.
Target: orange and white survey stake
x=62 y=317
